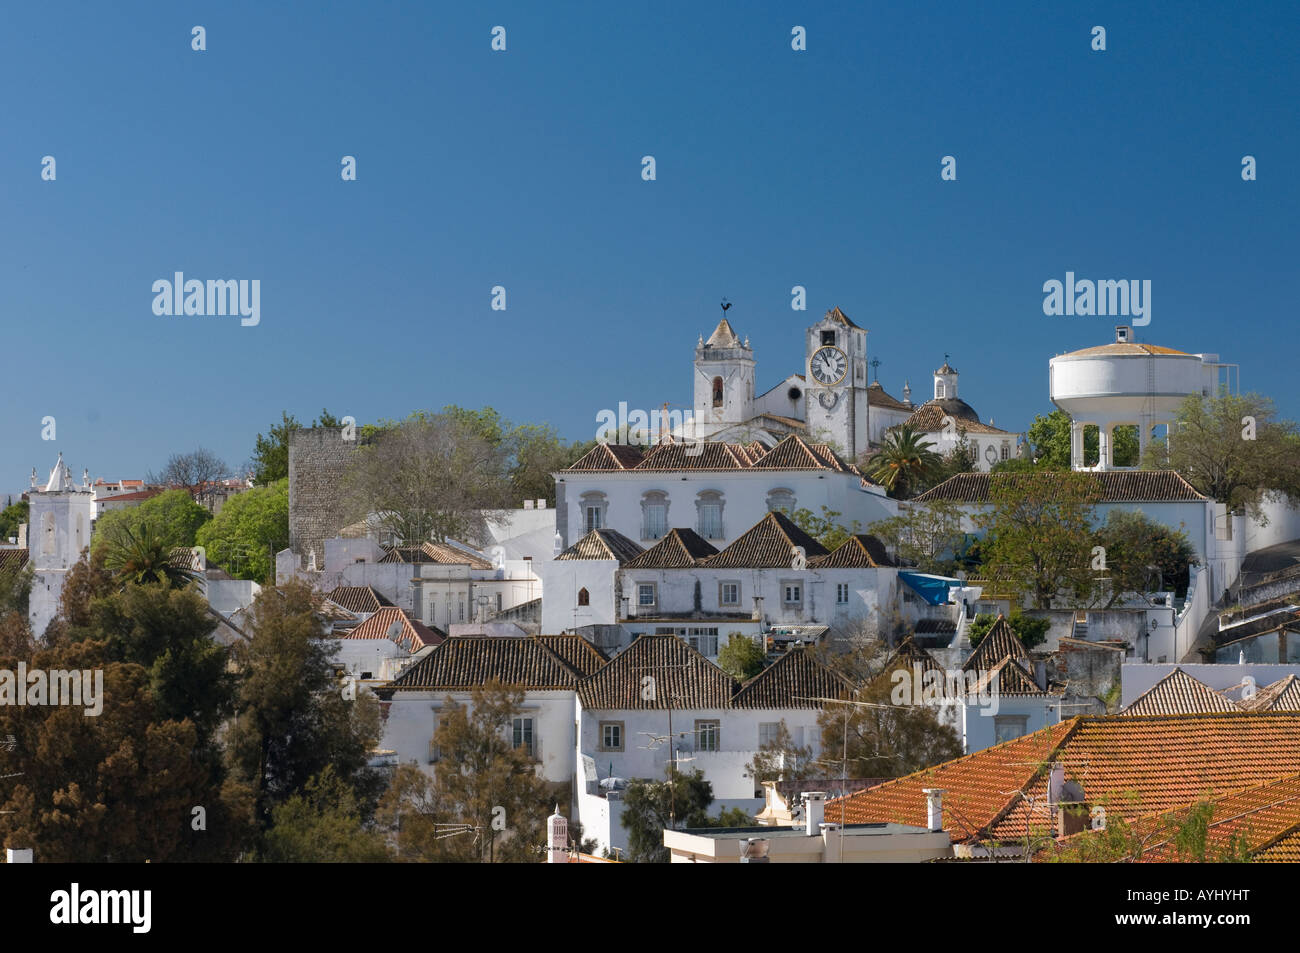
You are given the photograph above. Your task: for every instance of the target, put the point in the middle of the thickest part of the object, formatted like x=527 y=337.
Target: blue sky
x=775 y=168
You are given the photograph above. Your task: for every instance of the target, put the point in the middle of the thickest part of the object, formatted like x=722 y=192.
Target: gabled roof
x=908 y=654
x=702 y=455
x=357 y=598
x=1179 y=694
x=680 y=549
x=723 y=336
x=680 y=677
x=928 y=418
x=603 y=544
x=794 y=680
x=768 y=544
x=392 y=623
x=1282 y=695
x=465 y=662
x=13 y=557
x=1010 y=677
x=877 y=397
x=608 y=456
x=859 y=551
x=439 y=553
x=138 y=496
x=1133 y=766
x=795 y=453
x=576 y=652
x=998 y=643
x=1117 y=486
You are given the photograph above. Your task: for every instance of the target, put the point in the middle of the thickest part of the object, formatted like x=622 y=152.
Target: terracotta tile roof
x=576 y=652
x=1134 y=766
x=680 y=549
x=908 y=654
x=769 y=543
x=792 y=422
x=1282 y=850
x=1179 y=694
x=608 y=456
x=794 y=453
x=1282 y=695
x=928 y=418
x=13 y=557
x=707 y=455
x=465 y=662
x=1117 y=486
x=859 y=551
x=357 y=598
x=1261 y=816
x=998 y=643
x=411 y=634
x=603 y=544
x=439 y=553
x=1011 y=678
x=682 y=678
x=877 y=397
x=792 y=681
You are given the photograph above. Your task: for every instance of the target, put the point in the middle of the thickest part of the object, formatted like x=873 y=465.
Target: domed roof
x=954 y=407
x=1130 y=348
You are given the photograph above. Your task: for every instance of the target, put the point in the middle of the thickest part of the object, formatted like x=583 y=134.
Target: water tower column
x=1105 y=461
x=1076 y=444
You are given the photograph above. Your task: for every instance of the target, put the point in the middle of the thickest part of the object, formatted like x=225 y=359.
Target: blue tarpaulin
x=933 y=589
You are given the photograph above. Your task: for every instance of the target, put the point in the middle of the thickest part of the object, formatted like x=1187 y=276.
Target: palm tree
x=145 y=556
x=904 y=462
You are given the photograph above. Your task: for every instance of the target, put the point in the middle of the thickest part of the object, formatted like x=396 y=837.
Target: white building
x=946 y=419
x=61 y=516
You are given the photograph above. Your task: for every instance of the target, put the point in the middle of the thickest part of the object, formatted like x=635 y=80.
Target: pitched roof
x=466 y=662
x=908 y=654
x=680 y=677
x=928 y=418
x=576 y=652
x=608 y=456
x=390 y=622
x=358 y=598
x=1282 y=695
x=1011 y=678
x=835 y=314
x=701 y=455
x=723 y=336
x=603 y=544
x=859 y=551
x=877 y=397
x=769 y=543
x=998 y=643
x=13 y=557
x=794 y=680
x=795 y=453
x=1134 y=766
x=680 y=549
x=1117 y=486
x=1179 y=694
x=440 y=553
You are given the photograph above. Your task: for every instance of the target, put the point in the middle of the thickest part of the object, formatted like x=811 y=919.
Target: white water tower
x=1128 y=383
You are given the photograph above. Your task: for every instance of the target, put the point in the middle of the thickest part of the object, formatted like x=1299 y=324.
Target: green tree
x=928 y=536
x=1049 y=436
x=1030 y=630
x=824 y=528
x=322 y=825
x=651 y=807
x=1181 y=835
x=780 y=758
x=12 y=516
x=879 y=739
x=1216 y=448
x=172 y=517
x=1143 y=555
x=142 y=556
x=250 y=529
x=905 y=462
x=741 y=658
x=1039 y=534
x=15 y=587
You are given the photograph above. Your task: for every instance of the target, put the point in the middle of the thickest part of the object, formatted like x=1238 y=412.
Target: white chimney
x=541 y=504
x=559 y=545
x=528 y=504
x=1055 y=782
x=557 y=838
x=23 y=856
x=814 y=812
x=933 y=808
x=1123 y=334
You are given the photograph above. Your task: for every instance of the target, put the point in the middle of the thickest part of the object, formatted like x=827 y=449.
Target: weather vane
x=725 y=305
x=875 y=364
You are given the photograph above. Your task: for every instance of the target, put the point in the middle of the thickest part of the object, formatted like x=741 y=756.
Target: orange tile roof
x=1179 y=694
x=410 y=634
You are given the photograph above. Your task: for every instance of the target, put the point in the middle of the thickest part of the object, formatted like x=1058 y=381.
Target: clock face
x=829 y=365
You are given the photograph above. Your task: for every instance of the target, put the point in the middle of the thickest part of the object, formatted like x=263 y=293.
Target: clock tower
x=836 y=395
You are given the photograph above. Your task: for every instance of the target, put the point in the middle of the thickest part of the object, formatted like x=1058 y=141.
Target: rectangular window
x=462 y=610
x=593 y=518
x=711 y=520
x=708 y=736
x=656 y=521
x=842 y=593
x=523 y=735
x=828 y=339
x=435 y=752
x=611 y=736
x=768 y=732
x=1006 y=727
x=645 y=594
x=1006 y=451
x=498 y=602
x=704 y=641
x=728 y=593
x=793 y=593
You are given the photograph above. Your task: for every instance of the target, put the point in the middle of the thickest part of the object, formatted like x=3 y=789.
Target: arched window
x=709 y=508
x=654 y=515
x=717 y=392
x=593 y=505
x=938 y=390
x=584 y=597
x=781 y=499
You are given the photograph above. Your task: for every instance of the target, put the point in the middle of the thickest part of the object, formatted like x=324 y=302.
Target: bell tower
x=724 y=380
x=836 y=396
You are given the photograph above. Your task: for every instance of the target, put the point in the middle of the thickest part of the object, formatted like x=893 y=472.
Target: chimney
x=1055 y=782
x=814 y=812
x=557 y=838
x=1123 y=334
x=559 y=545
x=528 y=504
x=23 y=856
x=541 y=504
x=933 y=808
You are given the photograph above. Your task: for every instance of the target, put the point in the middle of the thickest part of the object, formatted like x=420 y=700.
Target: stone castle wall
x=318 y=460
